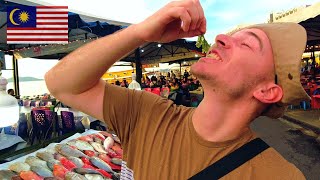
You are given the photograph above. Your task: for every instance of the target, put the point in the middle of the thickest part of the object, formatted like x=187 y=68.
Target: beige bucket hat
x=288 y=41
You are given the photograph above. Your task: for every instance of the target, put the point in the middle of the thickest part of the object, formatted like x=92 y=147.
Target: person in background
x=173 y=75
x=124 y=83
x=185 y=74
x=154 y=82
x=143 y=83
x=118 y=83
x=174 y=85
x=148 y=81
x=161 y=77
x=192 y=86
x=11 y=92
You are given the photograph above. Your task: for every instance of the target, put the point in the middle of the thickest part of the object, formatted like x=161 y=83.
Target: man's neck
x=219 y=121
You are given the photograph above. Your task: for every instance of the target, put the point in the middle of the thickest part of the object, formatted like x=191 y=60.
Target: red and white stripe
x=51 y=27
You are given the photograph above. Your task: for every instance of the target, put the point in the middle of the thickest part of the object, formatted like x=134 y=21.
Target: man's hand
x=178 y=19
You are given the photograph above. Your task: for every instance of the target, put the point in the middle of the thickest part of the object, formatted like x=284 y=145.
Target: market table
x=21 y=149
x=49 y=146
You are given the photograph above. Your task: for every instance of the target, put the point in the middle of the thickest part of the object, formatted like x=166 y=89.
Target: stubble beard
x=222 y=87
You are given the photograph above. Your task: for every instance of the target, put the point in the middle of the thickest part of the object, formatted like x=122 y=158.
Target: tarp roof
x=178 y=50
x=309 y=18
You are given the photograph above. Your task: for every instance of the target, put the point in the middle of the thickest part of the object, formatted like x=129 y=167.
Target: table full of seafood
x=92 y=155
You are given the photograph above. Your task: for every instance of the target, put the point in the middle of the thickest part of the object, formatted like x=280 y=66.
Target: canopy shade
x=308 y=17
x=178 y=50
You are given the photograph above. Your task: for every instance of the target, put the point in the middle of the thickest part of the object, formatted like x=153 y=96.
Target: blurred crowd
x=310 y=69
x=186 y=83
x=179 y=87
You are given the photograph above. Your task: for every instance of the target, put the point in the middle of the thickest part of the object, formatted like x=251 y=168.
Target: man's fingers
x=194 y=9
x=191 y=33
x=165 y=25
x=203 y=26
x=194 y=14
x=185 y=20
x=201 y=13
x=182 y=14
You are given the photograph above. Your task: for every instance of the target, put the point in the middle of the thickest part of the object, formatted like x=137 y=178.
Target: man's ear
x=270 y=93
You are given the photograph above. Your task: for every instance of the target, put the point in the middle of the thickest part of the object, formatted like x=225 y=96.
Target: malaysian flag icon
x=37 y=24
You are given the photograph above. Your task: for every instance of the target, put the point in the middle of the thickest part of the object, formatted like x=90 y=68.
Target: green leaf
x=202 y=42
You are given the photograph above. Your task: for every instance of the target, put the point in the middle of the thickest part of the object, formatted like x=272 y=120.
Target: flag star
x=24 y=16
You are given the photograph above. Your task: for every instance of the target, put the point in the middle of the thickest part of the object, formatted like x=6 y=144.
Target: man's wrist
x=136 y=33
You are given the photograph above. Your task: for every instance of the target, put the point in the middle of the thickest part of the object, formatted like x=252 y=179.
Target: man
x=186 y=74
x=249 y=73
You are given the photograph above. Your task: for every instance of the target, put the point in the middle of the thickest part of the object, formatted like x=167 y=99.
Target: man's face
x=238 y=63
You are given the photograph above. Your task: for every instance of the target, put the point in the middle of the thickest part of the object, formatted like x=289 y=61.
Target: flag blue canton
x=21 y=16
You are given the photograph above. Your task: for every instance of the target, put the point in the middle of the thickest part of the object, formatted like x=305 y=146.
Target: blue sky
x=224 y=15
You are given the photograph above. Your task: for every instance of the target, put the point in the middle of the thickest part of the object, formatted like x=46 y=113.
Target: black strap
x=232 y=160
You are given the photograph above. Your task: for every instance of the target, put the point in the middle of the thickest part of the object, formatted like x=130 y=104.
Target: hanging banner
x=2 y=61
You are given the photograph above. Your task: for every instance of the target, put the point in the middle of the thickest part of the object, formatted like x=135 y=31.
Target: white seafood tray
x=49 y=148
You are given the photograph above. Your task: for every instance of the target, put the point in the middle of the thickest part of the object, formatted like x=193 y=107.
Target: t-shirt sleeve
x=123 y=108
x=297 y=174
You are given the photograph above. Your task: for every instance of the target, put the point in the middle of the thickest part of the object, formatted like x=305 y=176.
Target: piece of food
x=81 y=145
x=100 y=164
x=98 y=147
x=42 y=171
x=7 y=174
x=19 y=166
x=29 y=175
x=108 y=143
x=34 y=161
x=67 y=151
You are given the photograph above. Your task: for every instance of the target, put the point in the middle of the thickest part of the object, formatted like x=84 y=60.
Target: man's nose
x=223 y=41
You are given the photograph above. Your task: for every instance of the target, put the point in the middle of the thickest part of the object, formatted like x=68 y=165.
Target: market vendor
x=246 y=74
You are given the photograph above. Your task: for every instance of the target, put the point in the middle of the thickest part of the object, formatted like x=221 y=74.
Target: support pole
x=313 y=65
x=16 y=76
x=180 y=70
x=138 y=65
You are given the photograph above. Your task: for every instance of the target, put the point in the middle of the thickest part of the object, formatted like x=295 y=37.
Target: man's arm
x=75 y=80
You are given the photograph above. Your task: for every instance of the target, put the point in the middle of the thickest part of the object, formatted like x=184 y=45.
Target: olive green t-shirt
x=160 y=142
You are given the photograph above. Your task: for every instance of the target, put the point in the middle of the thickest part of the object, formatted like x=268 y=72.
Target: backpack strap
x=232 y=161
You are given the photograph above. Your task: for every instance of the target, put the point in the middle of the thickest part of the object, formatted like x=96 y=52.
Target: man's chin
x=198 y=72
x=195 y=69
x=201 y=75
